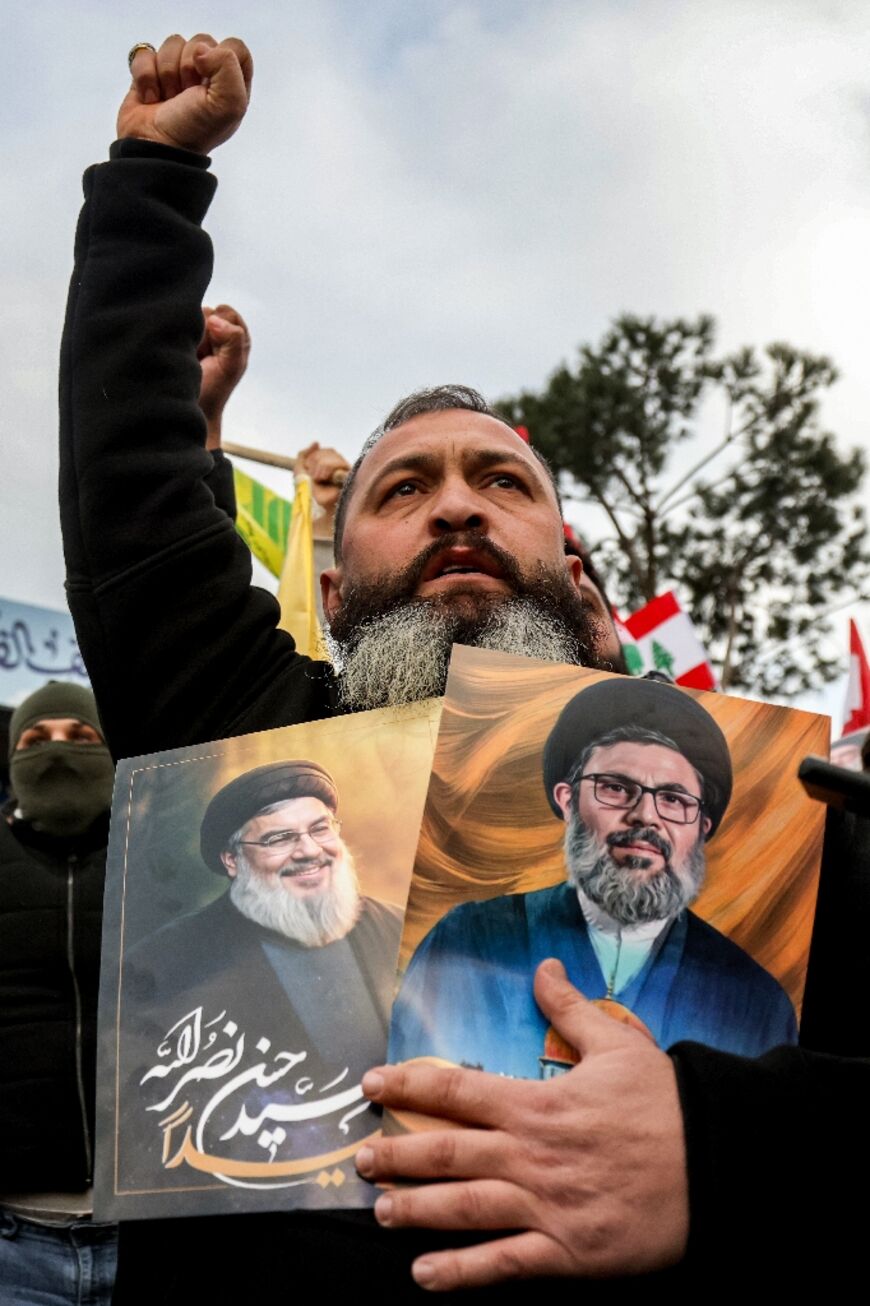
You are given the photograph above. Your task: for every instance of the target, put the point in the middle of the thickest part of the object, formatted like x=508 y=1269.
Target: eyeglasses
x=618 y=791
x=280 y=841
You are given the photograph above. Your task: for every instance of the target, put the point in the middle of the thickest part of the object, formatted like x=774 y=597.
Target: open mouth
x=459 y=561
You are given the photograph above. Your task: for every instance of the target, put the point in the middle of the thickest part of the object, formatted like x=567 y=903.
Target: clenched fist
x=189 y=94
x=223 y=356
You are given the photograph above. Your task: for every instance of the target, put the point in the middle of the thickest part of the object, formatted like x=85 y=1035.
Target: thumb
x=226 y=336
x=227 y=91
x=578 y=1021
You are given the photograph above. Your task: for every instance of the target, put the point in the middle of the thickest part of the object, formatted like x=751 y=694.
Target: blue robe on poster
x=467 y=994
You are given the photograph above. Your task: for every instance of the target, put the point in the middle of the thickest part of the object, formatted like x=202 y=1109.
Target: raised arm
x=180 y=648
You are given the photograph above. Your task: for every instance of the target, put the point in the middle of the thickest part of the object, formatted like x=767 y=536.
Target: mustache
x=624 y=838
x=411 y=575
x=299 y=867
x=366 y=602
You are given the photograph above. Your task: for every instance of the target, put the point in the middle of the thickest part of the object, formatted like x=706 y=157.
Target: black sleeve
x=180 y=648
x=776 y=1147
x=221 y=483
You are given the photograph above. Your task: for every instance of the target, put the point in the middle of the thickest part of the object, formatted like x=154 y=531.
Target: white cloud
x=459 y=191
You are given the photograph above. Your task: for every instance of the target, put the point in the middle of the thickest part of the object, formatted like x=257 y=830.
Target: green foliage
x=761 y=534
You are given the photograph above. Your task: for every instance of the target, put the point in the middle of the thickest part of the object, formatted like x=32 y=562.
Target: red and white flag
x=858 y=694
x=667 y=642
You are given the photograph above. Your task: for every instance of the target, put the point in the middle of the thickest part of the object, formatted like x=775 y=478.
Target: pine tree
x=761 y=533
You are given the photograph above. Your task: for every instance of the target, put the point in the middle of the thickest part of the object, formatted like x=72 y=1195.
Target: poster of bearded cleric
x=254 y=906
x=654 y=839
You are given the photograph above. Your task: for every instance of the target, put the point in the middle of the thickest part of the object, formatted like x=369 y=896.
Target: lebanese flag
x=858 y=694
x=630 y=651
x=667 y=641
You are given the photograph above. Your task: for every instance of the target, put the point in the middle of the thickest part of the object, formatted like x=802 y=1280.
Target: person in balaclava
x=52 y=868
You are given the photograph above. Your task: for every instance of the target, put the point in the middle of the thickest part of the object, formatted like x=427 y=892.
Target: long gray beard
x=402 y=656
x=312 y=921
x=625 y=898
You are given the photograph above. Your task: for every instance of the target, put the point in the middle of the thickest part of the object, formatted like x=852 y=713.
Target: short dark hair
x=437 y=399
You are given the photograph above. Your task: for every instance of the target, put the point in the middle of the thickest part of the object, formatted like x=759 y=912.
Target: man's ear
x=575 y=568
x=562 y=795
x=229 y=862
x=330 y=591
x=705 y=826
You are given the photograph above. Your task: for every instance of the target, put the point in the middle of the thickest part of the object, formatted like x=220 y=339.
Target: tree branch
x=626 y=542
x=708 y=458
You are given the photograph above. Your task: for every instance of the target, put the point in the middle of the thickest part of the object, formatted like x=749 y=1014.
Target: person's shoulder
x=182 y=929
x=504 y=913
x=703 y=938
x=382 y=915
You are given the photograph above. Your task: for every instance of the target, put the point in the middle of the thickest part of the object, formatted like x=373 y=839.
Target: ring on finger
x=140 y=45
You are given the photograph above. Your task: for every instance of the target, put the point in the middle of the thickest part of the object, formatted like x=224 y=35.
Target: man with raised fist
x=449 y=528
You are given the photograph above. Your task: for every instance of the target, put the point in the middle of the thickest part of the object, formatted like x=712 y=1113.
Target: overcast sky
x=430 y=190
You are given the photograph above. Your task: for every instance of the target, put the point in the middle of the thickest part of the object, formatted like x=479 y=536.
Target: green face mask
x=62 y=788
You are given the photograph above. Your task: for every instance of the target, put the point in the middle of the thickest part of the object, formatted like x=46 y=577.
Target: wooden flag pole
x=273 y=459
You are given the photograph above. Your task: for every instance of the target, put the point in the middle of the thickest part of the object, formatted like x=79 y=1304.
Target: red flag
x=858 y=693
x=667 y=642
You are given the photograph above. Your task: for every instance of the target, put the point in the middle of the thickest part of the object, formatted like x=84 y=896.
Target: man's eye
x=278 y=840
x=402 y=490
x=612 y=787
x=505 y=481
x=671 y=799
x=31 y=738
x=322 y=827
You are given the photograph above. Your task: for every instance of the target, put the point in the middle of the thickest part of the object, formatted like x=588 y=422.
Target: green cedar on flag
x=262 y=520
x=667 y=642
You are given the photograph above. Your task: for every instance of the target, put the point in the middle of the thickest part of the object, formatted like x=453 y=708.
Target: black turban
x=649 y=705
x=248 y=794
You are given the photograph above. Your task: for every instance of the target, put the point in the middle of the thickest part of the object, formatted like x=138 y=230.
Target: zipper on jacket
x=77 y=997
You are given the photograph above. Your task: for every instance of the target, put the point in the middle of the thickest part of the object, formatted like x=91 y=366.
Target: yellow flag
x=296 y=592
x=262 y=519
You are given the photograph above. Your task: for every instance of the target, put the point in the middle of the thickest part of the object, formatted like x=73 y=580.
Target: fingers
x=585 y=1027
x=228 y=314
x=229 y=339
x=472 y=1096
x=323 y=465
x=518 y=1257
x=436 y=1154
x=228 y=329
x=188 y=72
x=478 y=1204
x=178 y=65
x=146 y=80
x=246 y=62
x=166 y=61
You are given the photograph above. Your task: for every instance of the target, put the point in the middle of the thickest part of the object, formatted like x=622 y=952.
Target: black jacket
x=180 y=650
x=51 y=903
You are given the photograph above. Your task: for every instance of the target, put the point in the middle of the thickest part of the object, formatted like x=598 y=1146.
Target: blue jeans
x=56 y=1265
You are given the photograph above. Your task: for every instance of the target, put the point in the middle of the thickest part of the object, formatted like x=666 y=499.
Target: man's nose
x=305 y=845
x=645 y=811
x=456 y=506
